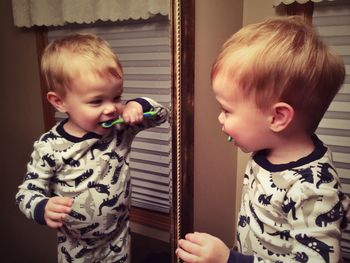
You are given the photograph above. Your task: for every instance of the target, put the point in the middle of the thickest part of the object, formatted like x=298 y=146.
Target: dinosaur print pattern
x=332 y=215
x=265 y=199
x=94 y=171
x=325 y=174
x=289 y=205
x=85 y=175
x=318 y=246
x=108 y=203
x=293 y=213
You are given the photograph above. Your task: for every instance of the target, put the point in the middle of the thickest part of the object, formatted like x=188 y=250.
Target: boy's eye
x=95 y=102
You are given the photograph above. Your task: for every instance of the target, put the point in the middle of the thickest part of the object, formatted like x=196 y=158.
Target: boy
x=274 y=81
x=78 y=176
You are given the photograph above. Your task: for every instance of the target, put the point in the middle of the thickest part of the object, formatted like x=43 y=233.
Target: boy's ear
x=56 y=101
x=281 y=116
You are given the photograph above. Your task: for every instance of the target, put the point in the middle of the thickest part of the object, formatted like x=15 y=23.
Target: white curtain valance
x=27 y=13
x=287 y=2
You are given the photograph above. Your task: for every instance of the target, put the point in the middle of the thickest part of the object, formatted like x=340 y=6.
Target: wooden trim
x=187 y=113
x=183 y=44
x=48 y=110
x=150 y=218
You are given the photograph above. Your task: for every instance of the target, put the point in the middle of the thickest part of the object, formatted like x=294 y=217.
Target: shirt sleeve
x=34 y=192
x=315 y=214
x=236 y=257
x=162 y=113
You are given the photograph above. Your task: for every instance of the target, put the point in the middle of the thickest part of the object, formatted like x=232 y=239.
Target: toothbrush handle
x=146 y=114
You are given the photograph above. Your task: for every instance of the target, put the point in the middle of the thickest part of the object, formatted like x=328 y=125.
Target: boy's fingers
x=196 y=237
x=185 y=256
x=62 y=200
x=55 y=216
x=54 y=220
x=133 y=118
x=58 y=208
x=190 y=247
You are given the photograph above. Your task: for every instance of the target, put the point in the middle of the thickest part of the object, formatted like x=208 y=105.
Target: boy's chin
x=245 y=150
x=102 y=131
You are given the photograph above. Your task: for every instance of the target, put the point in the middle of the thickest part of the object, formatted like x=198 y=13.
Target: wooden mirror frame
x=182 y=26
x=182 y=14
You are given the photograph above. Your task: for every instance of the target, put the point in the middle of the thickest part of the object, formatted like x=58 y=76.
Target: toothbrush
x=108 y=124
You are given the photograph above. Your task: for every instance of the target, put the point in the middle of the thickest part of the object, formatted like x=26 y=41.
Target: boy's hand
x=202 y=248
x=133 y=113
x=56 y=210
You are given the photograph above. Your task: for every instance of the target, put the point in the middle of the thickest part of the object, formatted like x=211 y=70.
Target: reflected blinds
x=332 y=20
x=144 y=51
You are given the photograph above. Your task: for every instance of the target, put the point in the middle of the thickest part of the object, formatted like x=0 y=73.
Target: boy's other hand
x=56 y=210
x=202 y=248
x=133 y=113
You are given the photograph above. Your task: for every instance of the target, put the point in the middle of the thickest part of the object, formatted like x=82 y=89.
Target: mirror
x=179 y=219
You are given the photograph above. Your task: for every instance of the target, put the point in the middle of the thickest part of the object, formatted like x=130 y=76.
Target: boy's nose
x=111 y=108
x=221 y=118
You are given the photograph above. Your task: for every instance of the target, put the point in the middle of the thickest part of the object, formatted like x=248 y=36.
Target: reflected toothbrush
x=108 y=124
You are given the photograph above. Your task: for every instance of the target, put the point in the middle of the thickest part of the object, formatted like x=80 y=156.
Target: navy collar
x=319 y=151
x=61 y=131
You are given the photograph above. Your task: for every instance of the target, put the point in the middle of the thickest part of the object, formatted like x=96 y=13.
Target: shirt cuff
x=39 y=212
x=146 y=106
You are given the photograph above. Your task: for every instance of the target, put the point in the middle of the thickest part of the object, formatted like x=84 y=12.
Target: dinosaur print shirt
x=94 y=171
x=291 y=212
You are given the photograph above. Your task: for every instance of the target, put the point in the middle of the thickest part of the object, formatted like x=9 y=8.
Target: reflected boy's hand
x=202 y=248
x=133 y=113
x=56 y=210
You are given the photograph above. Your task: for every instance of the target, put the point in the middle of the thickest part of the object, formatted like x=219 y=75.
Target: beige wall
x=215 y=159
x=22 y=123
x=219 y=167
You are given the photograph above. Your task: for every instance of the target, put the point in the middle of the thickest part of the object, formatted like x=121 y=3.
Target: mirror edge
x=183 y=40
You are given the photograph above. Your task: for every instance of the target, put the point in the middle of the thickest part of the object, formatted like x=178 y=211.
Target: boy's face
x=91 y=99
x=240 y=118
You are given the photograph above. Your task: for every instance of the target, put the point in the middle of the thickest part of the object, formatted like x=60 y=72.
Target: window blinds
x=144 y=51
x=332 y=21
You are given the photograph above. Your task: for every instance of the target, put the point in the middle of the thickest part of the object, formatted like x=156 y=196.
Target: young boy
x=274 y=81
x=78 y=175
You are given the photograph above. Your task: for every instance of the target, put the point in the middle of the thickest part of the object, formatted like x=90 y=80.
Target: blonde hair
x=63 y=59
x=283 y=59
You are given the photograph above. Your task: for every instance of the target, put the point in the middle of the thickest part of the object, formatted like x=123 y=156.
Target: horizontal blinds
x=144 y=51
x=332 y=21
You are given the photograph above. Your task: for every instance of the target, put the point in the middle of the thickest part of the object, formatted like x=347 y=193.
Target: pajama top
x=94 y=171
x=291 y=212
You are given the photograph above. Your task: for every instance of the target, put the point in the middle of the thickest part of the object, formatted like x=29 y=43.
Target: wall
x=22 y=123
x=218 y=167
x=215 y=159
